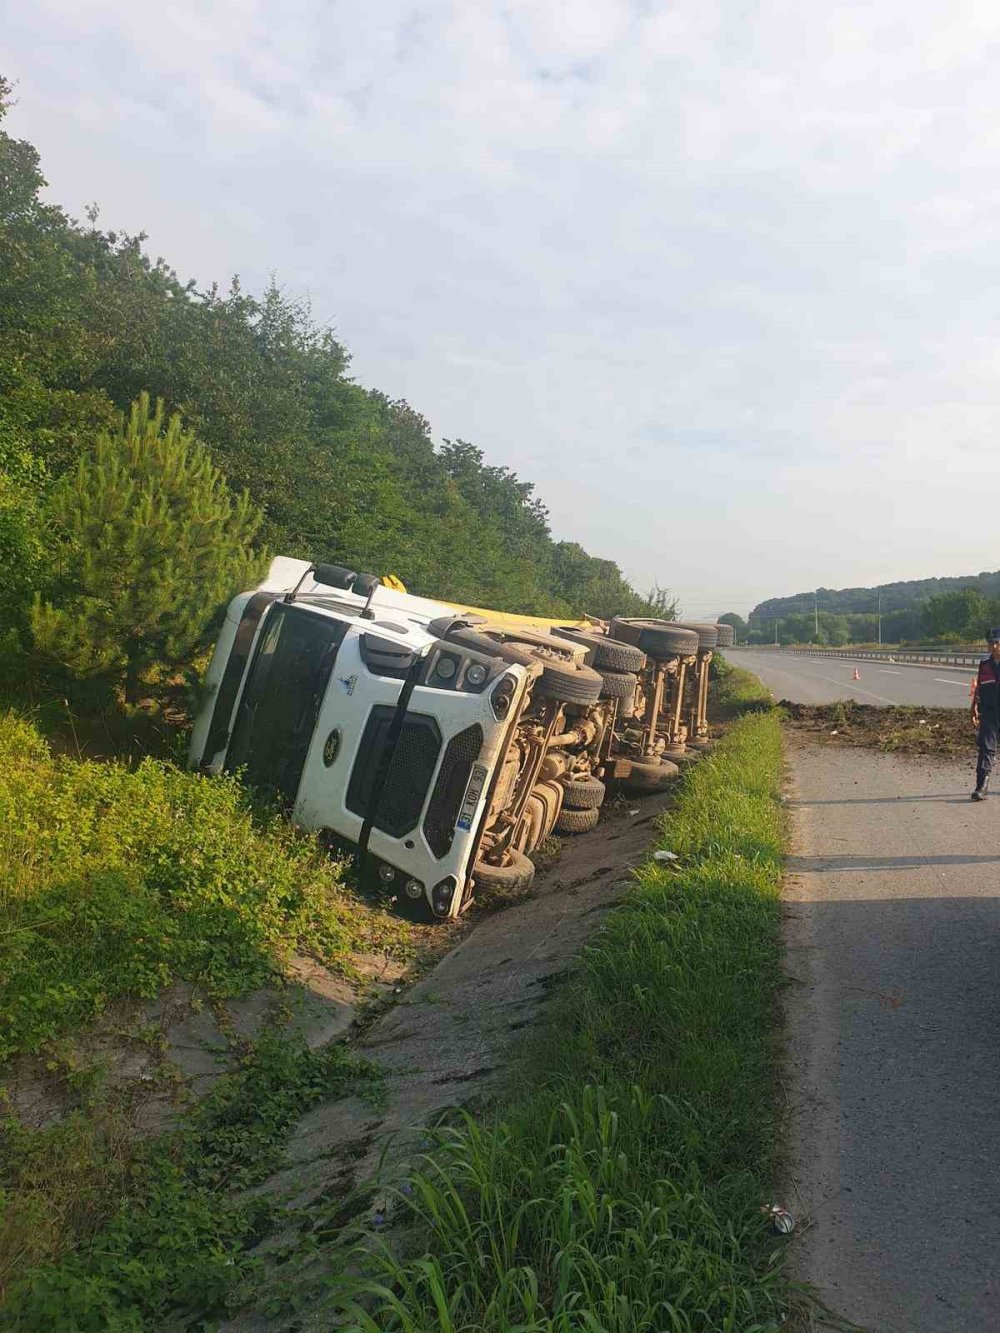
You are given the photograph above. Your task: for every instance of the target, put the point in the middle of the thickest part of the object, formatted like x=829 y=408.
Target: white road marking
x=886 y=672
x=941 y=681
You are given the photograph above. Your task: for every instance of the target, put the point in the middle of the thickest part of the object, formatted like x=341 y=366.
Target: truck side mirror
x=334 y=576
x=365 y=585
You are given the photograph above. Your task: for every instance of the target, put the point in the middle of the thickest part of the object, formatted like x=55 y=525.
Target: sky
x=719 y=277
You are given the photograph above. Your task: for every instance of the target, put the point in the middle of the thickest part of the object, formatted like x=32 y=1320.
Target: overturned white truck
x=444 y=750
x=444 y=747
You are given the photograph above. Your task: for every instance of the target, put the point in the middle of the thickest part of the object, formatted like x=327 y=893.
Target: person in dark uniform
x=986 y=714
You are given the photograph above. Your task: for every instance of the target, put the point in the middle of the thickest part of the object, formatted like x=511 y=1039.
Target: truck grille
x=410 y=770
x=442 y=812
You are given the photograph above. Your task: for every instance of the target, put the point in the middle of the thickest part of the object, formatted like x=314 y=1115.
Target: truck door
x=281 y=702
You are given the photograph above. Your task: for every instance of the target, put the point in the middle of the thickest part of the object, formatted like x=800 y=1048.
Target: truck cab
x=442 y=749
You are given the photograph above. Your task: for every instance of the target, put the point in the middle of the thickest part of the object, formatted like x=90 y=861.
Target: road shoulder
x=891 y=929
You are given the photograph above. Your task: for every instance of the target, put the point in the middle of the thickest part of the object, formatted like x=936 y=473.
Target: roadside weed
x=737 y=691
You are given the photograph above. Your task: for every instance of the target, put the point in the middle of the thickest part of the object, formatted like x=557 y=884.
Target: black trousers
x=989 y=727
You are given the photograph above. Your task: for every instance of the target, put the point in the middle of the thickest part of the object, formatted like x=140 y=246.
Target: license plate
x=472 y=794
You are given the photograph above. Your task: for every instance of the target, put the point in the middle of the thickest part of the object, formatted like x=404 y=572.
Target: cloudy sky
x=721 y=277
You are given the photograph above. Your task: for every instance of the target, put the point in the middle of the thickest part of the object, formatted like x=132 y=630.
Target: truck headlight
x=386 y=873
x=500 y=699
x=413 y=888
x=476 y=674
x=441 y=896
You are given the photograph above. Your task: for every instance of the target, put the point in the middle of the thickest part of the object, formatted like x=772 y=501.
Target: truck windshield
x=284 y=691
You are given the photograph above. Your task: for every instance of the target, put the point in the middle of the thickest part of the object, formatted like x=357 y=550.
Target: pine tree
x=151 y=544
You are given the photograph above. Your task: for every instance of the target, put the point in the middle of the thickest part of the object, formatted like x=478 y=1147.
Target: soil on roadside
x=945 y=732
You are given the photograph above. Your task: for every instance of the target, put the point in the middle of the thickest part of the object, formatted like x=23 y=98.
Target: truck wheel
x=609 y=654
x=577 y=821
x=516 y=874
x=583 y=793
x=648 y=777
x=708 y=635
x=620 y=686
x=570 y=684
x=659 y=639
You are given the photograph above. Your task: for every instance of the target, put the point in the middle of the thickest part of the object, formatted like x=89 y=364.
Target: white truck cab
x=443 y=753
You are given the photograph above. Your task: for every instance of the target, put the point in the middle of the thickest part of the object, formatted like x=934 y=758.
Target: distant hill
x=894 y=596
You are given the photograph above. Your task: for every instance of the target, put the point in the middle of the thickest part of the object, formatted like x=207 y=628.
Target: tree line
x=145 y=425
x=961 y=614
x=908 y=595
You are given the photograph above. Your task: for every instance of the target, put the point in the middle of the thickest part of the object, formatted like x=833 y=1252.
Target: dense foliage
x=88 y=321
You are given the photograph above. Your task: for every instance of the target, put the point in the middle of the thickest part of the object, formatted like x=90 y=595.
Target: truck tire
x=583 y=794
x=577 y=821
x=609 y=654
x=650 y=777
x=569 y=684
x=727 y=636
x=567 y=680
x=517 y=874
x=659 y=639
x=708 y=635
x=620 y=686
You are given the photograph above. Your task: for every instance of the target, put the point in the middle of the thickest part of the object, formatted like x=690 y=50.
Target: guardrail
x=925 y=657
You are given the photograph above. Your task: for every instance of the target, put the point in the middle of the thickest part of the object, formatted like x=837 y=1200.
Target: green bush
x=114 y=881
x=150 y=546
x=22 y=549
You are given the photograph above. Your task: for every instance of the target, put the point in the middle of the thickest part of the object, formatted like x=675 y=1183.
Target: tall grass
x=115 y=880
x=736 y=691
x=622 y=1192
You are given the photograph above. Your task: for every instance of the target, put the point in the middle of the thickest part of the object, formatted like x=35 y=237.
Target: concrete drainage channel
x=446 y=1042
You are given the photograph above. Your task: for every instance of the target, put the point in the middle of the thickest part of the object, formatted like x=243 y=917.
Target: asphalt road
x=893 y=951
x=811 y=680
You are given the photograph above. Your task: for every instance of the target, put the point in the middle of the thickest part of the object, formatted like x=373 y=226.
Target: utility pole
x=775 y=631
x=878 y=615
x=816 y=609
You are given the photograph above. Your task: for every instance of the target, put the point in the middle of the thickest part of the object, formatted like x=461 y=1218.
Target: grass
x=117 y=880
x=102 y=1233
x=736 y=691
x=623 y=1191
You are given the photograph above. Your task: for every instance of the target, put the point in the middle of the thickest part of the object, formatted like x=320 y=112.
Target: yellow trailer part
x=507 y=620
x=504 y=619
